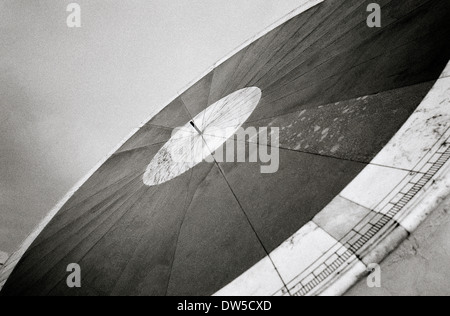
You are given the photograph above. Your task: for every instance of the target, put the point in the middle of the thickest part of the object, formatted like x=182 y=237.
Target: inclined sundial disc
x=363 y=149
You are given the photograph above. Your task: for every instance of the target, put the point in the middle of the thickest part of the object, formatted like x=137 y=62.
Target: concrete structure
x=419 y=267
x=340 y=91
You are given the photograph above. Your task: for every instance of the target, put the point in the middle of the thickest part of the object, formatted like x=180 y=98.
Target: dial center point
x=196 y=128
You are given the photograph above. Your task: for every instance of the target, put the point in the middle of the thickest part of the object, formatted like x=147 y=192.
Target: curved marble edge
x=16 y=256
x=371 y=217
x=422 y=208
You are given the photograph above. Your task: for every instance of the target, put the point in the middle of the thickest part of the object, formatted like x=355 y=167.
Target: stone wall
x=420 y=266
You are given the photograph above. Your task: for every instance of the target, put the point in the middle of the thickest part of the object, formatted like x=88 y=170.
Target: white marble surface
x=372 y=185
x=419 y=267
x=345 y=280
x=424 y=204
x=446 y=72
x=305 y=247
x=421 y=131
x=324 y=270
x=384 y=246
x=340 y=217
x=386 y=204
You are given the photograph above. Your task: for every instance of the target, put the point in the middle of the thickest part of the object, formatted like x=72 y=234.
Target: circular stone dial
x=338 y=90
x=195 y=141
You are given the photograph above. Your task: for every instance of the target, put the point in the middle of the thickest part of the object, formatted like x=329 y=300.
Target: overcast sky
x=68 y=96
